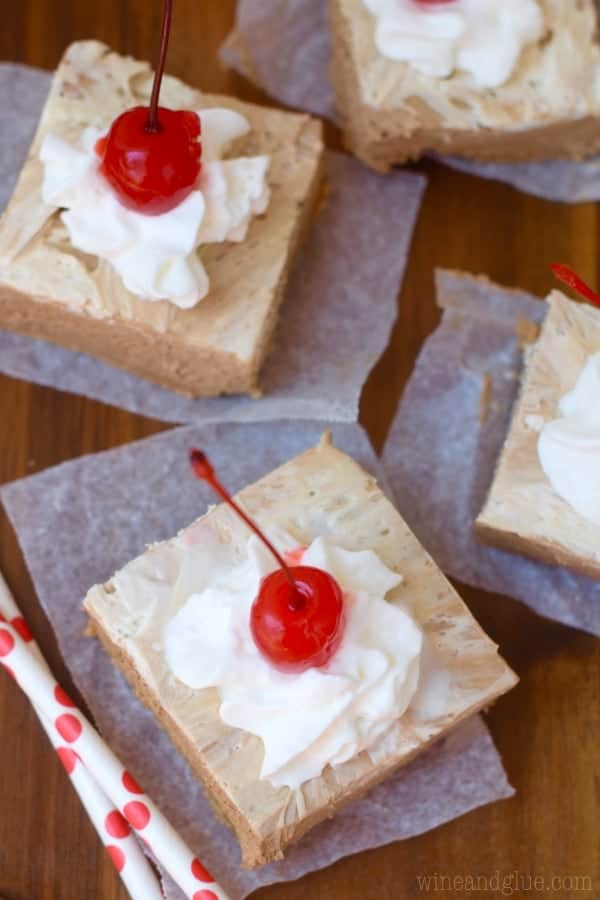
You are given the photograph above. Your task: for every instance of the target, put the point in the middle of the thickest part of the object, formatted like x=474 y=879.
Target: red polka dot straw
x=125 y=803
x=136 y=872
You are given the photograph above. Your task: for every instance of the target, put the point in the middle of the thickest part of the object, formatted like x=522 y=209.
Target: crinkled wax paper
x=284 y=46
x=442 y=450
x=77 y=523
x=339 y=309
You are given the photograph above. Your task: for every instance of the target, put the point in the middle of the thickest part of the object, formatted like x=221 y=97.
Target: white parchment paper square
x=77 y=523
x=336 y=319
x=285 y=45
x=442 y=450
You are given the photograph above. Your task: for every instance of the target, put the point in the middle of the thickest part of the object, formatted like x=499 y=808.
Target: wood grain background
x=547 y=729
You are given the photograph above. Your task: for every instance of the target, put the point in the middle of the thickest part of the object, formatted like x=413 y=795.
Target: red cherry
x=298 y=627
x=569 y=277
x=152 y=172
x=151 y=155
x=297 y=620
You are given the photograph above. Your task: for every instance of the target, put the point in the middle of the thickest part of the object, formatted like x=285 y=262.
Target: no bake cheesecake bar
x=51 y=290
x=321 y=494
x=548 y=108
x=524 y=511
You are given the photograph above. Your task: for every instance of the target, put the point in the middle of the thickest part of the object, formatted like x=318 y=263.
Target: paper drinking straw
x=130 y=800
x=136 y=872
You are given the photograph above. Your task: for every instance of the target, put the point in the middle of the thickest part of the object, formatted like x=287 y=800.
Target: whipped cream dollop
x=320 y=716
x=156 y=256
x=482 y=37
x=569 y=447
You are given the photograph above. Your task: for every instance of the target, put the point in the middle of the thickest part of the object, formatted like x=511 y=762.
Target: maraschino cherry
x=297 y=619
x=151 y=155
x=569 y=277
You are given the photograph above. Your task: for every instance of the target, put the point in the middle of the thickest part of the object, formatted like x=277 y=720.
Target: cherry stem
x=569 y=277
x=204 y=471
x=153 y=125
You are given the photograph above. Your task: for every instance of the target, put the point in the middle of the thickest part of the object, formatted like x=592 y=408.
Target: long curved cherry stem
x=204 y=471
x=569 y=277
x=153 y=125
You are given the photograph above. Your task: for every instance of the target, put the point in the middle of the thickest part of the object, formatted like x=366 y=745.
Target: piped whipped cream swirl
x=569 y=447
x=156 y=256
x=321 y=716
x=482 y=37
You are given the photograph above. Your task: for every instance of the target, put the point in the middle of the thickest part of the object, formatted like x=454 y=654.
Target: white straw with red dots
x=133 y=807
x=136 y=872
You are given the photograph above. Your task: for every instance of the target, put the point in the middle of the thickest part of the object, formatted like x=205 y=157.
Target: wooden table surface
x=547 y=729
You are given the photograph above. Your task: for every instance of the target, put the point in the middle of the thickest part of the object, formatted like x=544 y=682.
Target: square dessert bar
x=321 y=492
x=523 y=513
x=50 y=290
x=548 y=108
